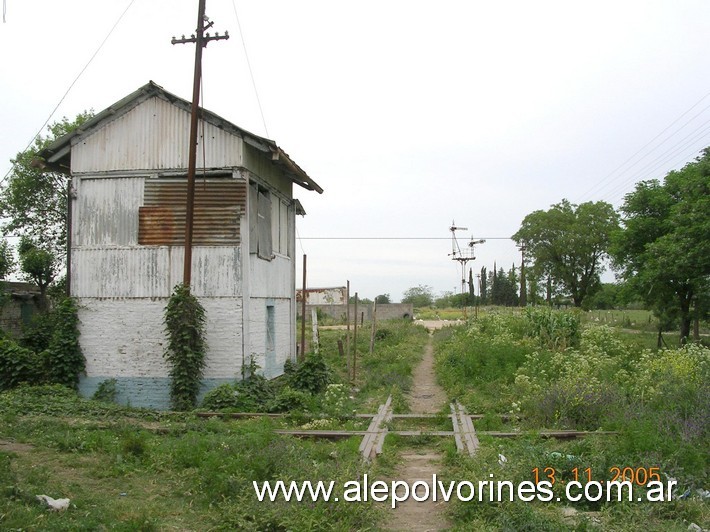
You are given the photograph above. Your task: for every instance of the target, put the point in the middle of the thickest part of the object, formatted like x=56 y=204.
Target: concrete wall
x=123 y=339
x=384 y=312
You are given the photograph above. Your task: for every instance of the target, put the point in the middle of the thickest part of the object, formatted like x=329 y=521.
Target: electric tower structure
x=462 y=256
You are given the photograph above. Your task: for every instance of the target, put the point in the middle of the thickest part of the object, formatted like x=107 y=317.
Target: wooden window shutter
x=265 y=249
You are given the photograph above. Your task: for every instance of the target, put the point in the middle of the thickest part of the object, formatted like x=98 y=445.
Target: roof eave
x=57 y=156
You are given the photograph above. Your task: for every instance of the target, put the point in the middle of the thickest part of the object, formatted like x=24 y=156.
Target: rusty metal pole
x=302 y=354
x=69 y=230
x=192 y=161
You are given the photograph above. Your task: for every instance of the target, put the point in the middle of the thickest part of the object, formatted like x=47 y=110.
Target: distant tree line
x=658 y=243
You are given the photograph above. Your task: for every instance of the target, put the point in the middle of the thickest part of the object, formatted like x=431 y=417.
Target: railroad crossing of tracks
x=373 y=439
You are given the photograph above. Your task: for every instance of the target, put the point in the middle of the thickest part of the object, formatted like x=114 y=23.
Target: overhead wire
x=659 y=164
x=610 y=178
x=251 y=73
x=399 y=238
x=91 y=59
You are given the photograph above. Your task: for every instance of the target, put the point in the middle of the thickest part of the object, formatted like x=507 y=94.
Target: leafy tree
x=606 y=298
x=663 y=250
x=383 y=299
x=39 y=265
x=512 y=297
x=484 y=286
x=504 y=288
x=569 y=242
x=532 y=282
x=419 y=296
x=7 y=260
x=445 y=299
x=34 y=200
x=360 y=300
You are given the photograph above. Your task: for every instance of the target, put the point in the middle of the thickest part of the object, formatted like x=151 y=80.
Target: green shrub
x=64 y=356
x=19 y=365
x=106 y=391
x=38 y=334
x=553 y=329
x=311 y=375
x=336 y=401
x=576 y=388
x=487 y=350
x=672 y=375
x=53 y=357
x=290 y=400
x=220 y=398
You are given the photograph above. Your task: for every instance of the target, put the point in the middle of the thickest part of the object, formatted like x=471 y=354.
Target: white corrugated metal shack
x=128 y=167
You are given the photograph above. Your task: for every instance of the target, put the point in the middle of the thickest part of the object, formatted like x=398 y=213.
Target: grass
x=132 y=469
x=388 y=371
x=132 y=473
x=635 y=319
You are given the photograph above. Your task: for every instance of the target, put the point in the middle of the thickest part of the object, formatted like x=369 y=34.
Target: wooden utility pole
x=302 y=354
x=200 y=39
x=523 y=284
x=374 y=327
x=355 y=341
x=316 y=335
x=347 y=332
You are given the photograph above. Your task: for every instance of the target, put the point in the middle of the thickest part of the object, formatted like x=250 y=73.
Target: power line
x=251 y=74
x=300 y=241
x=600 y=185
x=12 y=169
x=396 y=238
x=683 y=158
x=660 y=162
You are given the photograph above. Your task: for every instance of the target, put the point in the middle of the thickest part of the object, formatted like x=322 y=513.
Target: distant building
x=323 y=296
x=128 y=167
x=19 y=302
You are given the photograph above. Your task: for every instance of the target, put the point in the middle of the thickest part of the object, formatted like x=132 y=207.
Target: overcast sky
x=409 y=114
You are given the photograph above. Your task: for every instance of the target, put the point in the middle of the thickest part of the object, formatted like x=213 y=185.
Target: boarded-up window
x=219 y=205
x=260 y=222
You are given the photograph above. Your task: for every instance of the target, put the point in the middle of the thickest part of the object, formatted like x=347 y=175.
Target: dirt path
x=426 y=396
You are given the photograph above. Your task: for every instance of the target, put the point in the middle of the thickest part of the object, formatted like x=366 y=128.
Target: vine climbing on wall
x=185 y=352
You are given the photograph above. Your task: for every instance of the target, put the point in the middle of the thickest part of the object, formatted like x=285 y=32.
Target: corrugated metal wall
x=152 y=272
x=109 y=262
x=155 y=136
x=105 y=212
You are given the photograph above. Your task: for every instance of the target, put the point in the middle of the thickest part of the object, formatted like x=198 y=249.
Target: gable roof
x=58 y=154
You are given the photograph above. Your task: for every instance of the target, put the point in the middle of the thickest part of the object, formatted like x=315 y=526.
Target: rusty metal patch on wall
x=219 y=205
